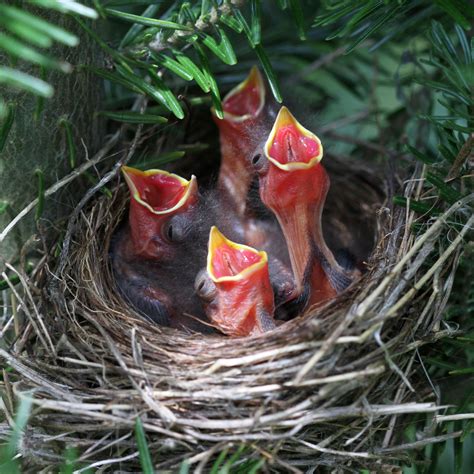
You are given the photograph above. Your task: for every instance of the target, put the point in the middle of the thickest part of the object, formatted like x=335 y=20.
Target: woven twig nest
x=326 y=389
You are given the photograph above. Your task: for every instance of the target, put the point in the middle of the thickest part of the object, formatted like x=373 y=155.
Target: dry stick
x=328 y=344
x=34 y=377
x=460 y=416
x=29 y=315
x=349 y=454
x=38 y=315
x=61 y=183
x=165 y=413
x=421 y=444
x=431 y=232
x=421 y=282
x=265 y=355
x=108 y=462
x=85 y=199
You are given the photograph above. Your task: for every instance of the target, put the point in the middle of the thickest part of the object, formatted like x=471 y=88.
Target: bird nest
x=329 y=388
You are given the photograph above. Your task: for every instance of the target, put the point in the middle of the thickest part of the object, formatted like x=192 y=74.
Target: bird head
x=235 y=287
x=161 y=210
x=292 y=183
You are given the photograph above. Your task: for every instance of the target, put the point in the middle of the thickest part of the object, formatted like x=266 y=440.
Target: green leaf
x=13 y=280
x=468 y=370
x=375 y=26
x=184 y=468
x=67 y=7
x=226 y=468
x=231 y=22
x=198 y=75
x=215 y=95
x=451 y=9
x=20 y=80
x=244 y=26
x=417 y=206
x=223 y=50
x=32 y=21
x=219 y=461
x=297 y=11
x=145 y=458
x=255 y=21
x=25 y=32
x=169 y=97
x=6 y=125
x=115 y=78
x=174 y=66
x=421 y=156
x=134 y=117
x=21 y=420
x=133 y=32
x=141 y=20
x=447 y=192
x=268 y=70
x=17 y=49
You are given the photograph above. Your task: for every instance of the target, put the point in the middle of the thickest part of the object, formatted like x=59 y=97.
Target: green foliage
x=185 y=40
x=24 y=38
x=385 y=20
x=8 y=462
x=145 y=458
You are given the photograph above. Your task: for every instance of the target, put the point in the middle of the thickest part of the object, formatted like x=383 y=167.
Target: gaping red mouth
x=159 y=190
x=246 y=100
x=290 y=145
x=231 y=261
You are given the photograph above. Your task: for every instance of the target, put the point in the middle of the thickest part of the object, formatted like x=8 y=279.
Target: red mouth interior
x=160 y=191
x=244 y=102
x=229 y=261
x=291 y=146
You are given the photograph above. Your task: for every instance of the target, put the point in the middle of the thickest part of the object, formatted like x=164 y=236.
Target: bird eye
x=204 y=286
x=177 y=229
x=169 y=233
x=259 y=163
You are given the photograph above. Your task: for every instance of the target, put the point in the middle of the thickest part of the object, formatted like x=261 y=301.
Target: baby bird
x=157 y=254
x=235 y=287
x=293 y=185
x=245 y=113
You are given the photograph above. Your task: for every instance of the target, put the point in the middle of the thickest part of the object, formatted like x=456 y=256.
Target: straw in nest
x=327 y=389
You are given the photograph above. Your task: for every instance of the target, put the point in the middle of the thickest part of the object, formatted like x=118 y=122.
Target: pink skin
x=294 y=185
x=236 y=286
x=155 y=198
x=243 y=112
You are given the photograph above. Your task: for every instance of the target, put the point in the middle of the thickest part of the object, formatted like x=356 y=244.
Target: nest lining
x=326 y=389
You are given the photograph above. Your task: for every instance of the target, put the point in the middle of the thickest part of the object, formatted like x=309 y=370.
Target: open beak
x=243 y=112
x=156 y=195
x=294 y=185
x=243 y=302
x=246 y=100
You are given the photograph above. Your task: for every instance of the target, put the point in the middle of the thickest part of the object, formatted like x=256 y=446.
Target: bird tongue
x=228 y=259
x=290 y=146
